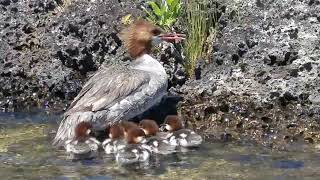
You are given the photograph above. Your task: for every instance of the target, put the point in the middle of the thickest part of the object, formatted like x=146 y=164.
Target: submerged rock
x=263 y=79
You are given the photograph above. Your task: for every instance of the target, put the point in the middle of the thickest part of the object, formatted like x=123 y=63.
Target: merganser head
x=126 y=126
x=135 y=135
x=140 y=35
x=115 y=131
x=150 y=127
x=83 y=130
x=172 y=123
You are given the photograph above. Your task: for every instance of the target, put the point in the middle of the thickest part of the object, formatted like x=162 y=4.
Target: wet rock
x=265 y=69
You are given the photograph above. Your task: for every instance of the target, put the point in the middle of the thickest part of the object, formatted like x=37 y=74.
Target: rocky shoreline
x=264 y=77
x=262 y=81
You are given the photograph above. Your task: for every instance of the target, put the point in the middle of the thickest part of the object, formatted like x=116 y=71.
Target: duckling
x=135 y=151
x=115 y=140
x=126 y=126
x=83 y=146
x=178 y=135
x=156 y=143
x=150 y=127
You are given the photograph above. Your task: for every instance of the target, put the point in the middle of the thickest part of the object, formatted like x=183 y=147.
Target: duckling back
x=185 y=138
x=85 y=149
x=133 y=153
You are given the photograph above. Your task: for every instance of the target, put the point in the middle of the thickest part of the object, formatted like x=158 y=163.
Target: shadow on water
x=26 y=153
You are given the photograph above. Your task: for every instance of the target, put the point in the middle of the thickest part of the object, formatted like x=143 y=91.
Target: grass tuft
x=200 y=22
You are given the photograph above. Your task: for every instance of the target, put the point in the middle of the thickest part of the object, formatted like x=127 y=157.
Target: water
x=26 y=153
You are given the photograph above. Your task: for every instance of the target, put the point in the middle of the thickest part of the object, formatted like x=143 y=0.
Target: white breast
x=147 y=97
x=151 y=65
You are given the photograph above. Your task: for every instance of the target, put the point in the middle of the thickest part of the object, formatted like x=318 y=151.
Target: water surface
x=26 y=153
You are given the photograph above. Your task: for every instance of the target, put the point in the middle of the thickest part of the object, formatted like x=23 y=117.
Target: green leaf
x=169 y=2
x=175 y=3
x=148 y=12
x=163 y=8
x=150 y=17
x=177 y=10
x=155 y=8
x=170 y=22
x=164 y=12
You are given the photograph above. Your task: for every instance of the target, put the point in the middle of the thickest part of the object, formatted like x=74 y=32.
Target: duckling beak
x=172 y=37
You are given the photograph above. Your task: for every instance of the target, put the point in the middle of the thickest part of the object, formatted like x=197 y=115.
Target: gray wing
x=107 y=87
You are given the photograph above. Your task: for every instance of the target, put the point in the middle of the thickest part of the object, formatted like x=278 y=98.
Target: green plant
x=200 y=22
x=164 y=12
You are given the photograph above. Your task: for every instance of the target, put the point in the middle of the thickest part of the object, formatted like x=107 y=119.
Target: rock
x=266 y=57
x=48 y=48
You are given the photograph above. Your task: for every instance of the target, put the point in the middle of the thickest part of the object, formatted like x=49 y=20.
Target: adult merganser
x=156 y=143
x=121 y=92
x=115 y=140
x=135 y=151
x=178 y=135
x=83 y=145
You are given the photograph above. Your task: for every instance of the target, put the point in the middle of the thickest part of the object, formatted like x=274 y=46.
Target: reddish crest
x=126 y=125
x=83 y=129
x=134 y=135
x=115 y=131
x=138 y=36
x=150 y=127
x=174 y=122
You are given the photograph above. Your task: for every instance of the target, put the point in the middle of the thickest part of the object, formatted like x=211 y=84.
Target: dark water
x=26 y=153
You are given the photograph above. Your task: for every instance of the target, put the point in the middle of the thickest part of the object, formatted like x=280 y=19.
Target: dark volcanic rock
x=48 y=47
x=264 y=74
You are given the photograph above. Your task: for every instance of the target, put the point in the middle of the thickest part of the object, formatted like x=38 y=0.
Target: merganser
x=178 y=135
x=156 y=143
x=83 y=145
x=115 y=140
x=135 y=151
x=126 y=126
x=121 y=92
x=150 y=127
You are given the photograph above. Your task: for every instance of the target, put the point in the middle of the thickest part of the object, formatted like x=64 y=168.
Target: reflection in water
x=26 y=153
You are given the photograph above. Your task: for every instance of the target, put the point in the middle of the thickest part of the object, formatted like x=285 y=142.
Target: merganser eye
x=156 y=32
